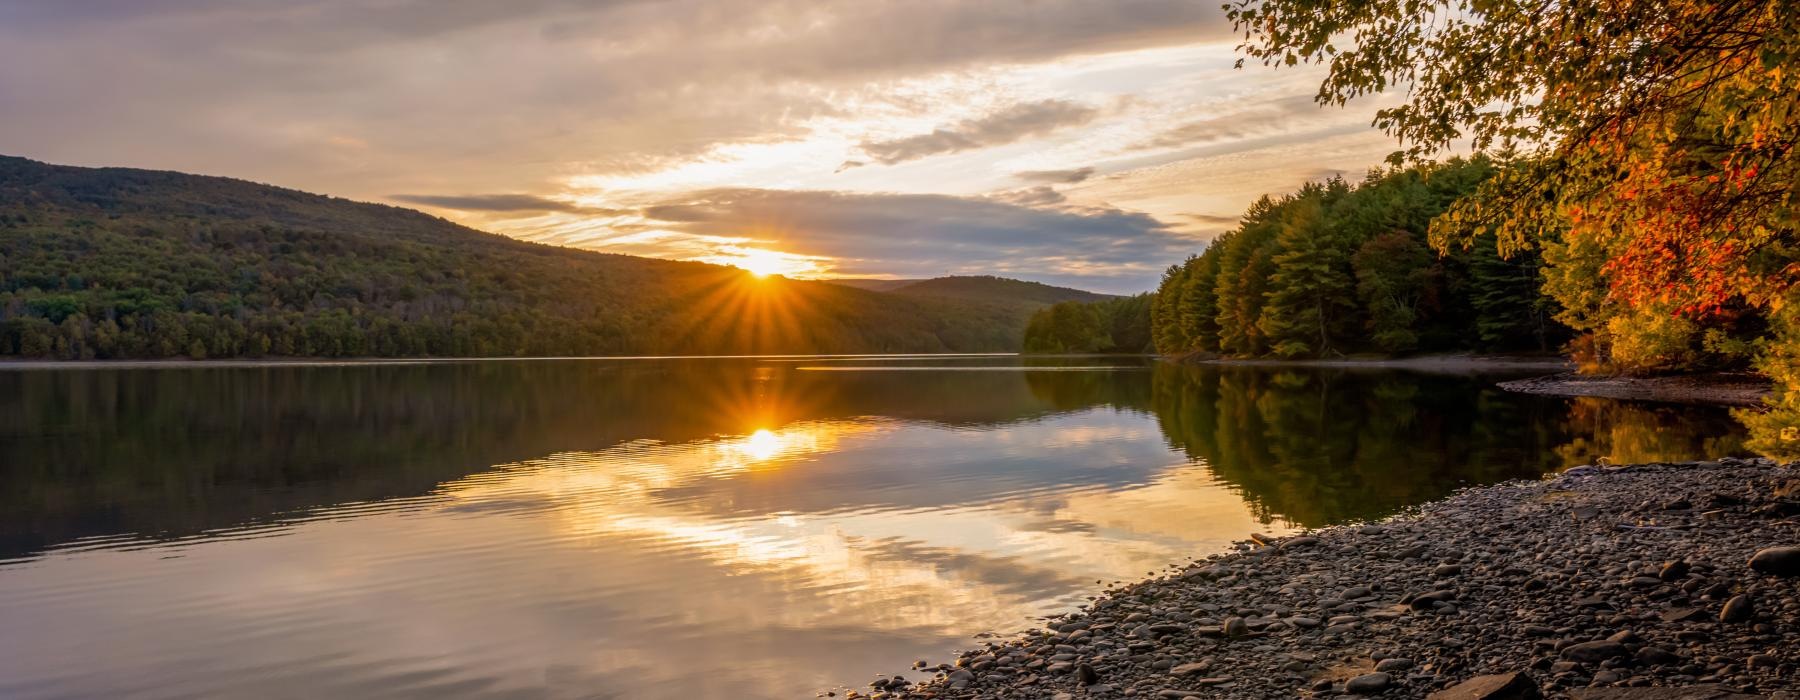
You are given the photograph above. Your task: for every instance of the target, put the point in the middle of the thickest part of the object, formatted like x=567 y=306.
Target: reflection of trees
x=1629 y=433
x=178 y=451
x=1321 y=447
x=1073 y=391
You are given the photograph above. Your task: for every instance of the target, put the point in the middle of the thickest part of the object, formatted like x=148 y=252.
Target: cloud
x=1056 y=177
x=480 y=95
x=1015 y=123
x=1274 y=116
x=925 y=235
x=487 y=202
x=1213 y=219
x=1040 y=196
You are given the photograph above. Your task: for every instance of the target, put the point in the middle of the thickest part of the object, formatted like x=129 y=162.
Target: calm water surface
x=680 y=528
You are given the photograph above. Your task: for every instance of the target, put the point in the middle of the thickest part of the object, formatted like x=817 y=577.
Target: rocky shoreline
x=1640 y=581
x=1431 y=364
x=1727 y=388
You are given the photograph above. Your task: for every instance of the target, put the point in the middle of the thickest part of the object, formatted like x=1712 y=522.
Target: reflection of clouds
x=957 y=558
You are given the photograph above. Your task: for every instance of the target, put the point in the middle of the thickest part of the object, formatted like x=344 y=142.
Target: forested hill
x=122 y=263
x=980 y=288
x=1000 y=288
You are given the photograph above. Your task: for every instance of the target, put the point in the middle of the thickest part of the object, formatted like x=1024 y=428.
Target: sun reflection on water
x=762 y=445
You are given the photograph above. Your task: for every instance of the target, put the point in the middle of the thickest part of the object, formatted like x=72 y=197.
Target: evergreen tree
x=1311 y=293
x=1393 y=273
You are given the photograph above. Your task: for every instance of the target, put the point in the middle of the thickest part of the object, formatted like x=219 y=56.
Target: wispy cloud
x=496 y=203
x=1212 y=219
x=1015 y=123
x=1056 y=177
x=1257 y=119
x=1040 y=196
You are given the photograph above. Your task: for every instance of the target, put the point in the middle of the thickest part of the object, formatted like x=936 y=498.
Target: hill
x=872 y=284
x=997 y=288
x=980 y=288
x=125 y=263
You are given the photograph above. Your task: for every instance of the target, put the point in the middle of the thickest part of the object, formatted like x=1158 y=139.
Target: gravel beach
x=1724 y=388
x=1640 y=581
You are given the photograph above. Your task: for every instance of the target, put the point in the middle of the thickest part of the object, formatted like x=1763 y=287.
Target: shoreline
x=1742 y=389
x=1443 y=364
x=1739 y=389
x=1598 y=583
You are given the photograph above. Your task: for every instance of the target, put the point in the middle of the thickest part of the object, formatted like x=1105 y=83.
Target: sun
x=763 y=444
x=763 y=263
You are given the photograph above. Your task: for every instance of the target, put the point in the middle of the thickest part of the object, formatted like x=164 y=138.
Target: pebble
x=1738 y=609
x=1190 y=669
x=1595 y=652
x=1777 y=561
x=1369 y=683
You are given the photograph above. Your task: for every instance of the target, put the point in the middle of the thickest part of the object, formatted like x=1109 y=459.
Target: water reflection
x=1317 y=448
x=677 y=528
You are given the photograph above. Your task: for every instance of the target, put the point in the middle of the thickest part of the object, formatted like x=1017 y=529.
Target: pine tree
x=1311 y=291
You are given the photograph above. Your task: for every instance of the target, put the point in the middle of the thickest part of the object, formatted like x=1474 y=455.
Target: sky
x=1088 y=143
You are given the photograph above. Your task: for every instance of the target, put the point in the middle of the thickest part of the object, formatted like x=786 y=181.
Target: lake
x=667 y=528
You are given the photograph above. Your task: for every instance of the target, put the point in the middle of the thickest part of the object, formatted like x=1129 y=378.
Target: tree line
x=1119 y=325
x=1337 y=269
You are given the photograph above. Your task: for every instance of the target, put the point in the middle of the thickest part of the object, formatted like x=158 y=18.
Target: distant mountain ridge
x=126 y=263
x=986 y=287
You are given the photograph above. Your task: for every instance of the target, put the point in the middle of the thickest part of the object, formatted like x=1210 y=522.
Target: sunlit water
x=680 y=528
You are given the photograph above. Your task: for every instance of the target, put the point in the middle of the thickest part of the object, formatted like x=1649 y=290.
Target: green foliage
x=118 y=263
x=1775 y=428
x=1335 y=269
x=1393 y=273
x=1311 y=293
x=1114 y=325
